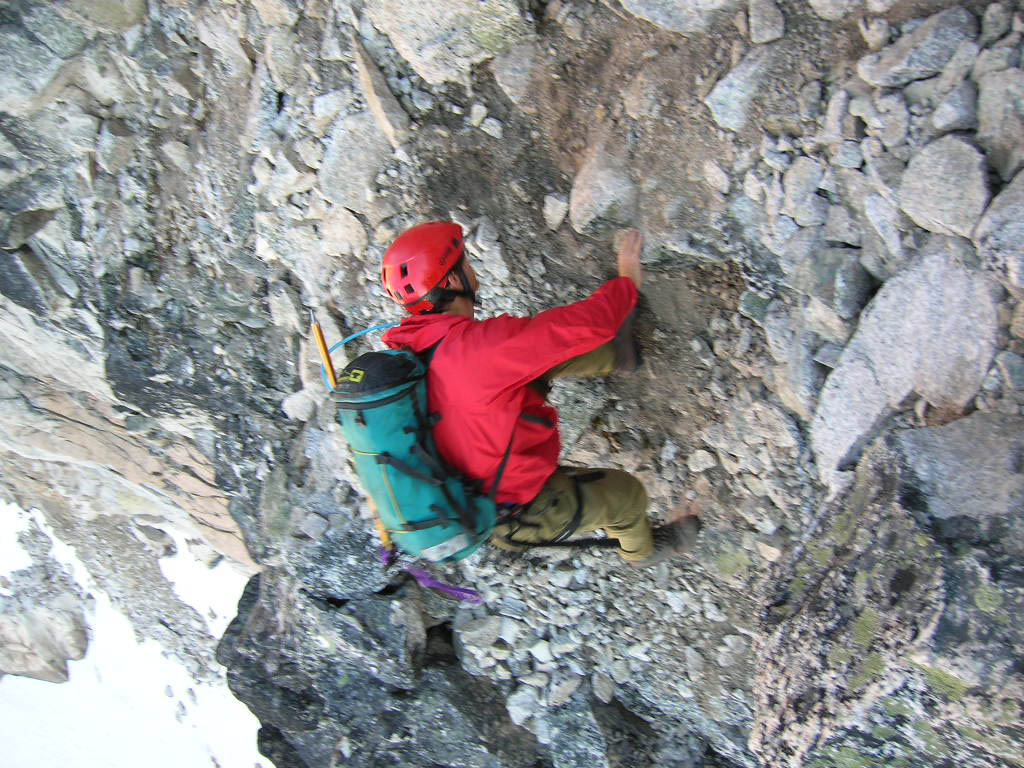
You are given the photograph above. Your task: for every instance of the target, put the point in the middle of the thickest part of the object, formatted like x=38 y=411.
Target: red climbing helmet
x=416 y=267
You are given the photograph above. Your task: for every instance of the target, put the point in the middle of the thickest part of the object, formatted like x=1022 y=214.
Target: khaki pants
x=583 y=500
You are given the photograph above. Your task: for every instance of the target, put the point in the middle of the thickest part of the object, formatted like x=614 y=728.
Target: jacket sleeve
x=522 y=349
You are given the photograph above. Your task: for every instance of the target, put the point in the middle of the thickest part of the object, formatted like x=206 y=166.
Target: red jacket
x=478 y=383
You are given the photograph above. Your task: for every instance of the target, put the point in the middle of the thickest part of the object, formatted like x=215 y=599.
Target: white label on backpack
x=446 y=548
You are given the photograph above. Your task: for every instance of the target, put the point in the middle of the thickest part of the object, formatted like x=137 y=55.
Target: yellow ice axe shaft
x=325 y=356
x=382 y=532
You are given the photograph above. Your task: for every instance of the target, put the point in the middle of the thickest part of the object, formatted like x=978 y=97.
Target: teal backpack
x=428 y=509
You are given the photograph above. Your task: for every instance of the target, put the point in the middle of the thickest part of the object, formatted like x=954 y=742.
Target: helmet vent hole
x=404 y=270
x=410 y=289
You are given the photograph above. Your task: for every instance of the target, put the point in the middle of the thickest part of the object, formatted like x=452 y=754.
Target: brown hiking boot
x=675 y=538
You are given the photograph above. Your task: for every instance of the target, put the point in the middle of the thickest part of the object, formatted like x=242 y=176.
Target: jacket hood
x=420 y=332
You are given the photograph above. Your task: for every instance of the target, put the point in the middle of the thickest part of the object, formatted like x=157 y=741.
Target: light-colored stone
x=342 y=233
x=390 y=116
x=887 y=222
x=683 y=17
x=730 y=99
x=958 y=110
x=355 y=152
x=766 y=21
x=930 y=329
x=802 y=202
x=841 y=227
x=523 y=704
x=875 y=32
x=443 y=41
x=716 y=178
x=999 y=236
x=276 y=13
x=514 y=72
x=964 y=468
x=1001 y=120
x=112 y=15
x=603 y=686
x=958 y=67
x=700 y=461
x=995 y=23
x=29 y=69
x=921 y=53
x=833 y=10
x=555 y=209
x=602 y=193
x=945 y=187
x=996 y=59
x=299 y=406
x=492 y=127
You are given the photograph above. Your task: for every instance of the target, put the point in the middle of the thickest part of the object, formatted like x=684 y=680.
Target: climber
x=488 y=379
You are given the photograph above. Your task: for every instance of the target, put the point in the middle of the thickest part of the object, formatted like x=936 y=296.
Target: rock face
x=832 y=375
x=922 y=53
x=42 y=622
x=603 y=194
x=684 y=18
x=731 y=97
x=944 y=187
x=442 y=42
x=930 y=330
x=1001 y=119
x=999 y=235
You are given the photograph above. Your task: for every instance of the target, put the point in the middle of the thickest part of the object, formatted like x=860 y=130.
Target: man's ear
x=453 y=283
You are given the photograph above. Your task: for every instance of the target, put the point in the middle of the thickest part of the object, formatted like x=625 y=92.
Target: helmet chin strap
x=467 y=290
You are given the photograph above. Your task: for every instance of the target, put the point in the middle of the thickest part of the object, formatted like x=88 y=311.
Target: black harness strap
x=405 y=469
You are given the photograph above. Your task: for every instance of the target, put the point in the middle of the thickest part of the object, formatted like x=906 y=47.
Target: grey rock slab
x=523 y=704
x=995 y=60
x=730 y=99
x=61 y=36
x=443 y=41
x=833 y=10
x=921 y=53
x=688 y=17
x=393 y=120
x=1001 y=120
x=555 y=209
x=836 y=277
x=848 y=155
x=888 y=223
x=801 y=201
x=999 y=236
x=1011 y=367
x=958 y=66
x=29 y=68
x=875 y=32
x=995 y=22
x=893 y=119
x=716 y=178
x=602 y=192
x=766 y=21
x=958 y=110
x=836 y=115
x=114 y=15
x=575 y=738
x=842 y=227
x=968 y=467
x=930 y=329
x=514 y=72
x=945 y=187
x=356 y=150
